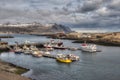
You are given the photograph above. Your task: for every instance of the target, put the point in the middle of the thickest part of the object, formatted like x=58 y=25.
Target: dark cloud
x=87 y=7
x=55 y=8
x=65 y=8
x=69 y=4
x=114 y=4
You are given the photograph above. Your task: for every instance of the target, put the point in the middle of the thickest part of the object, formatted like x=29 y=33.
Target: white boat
x=34 y=48
x=37 y=53
x=47 y=45
x=88 y=48
x=26 y=48
x=47 y=52
x=49 y=49
x=18 y=50
x=73 y=57
x=27 y=52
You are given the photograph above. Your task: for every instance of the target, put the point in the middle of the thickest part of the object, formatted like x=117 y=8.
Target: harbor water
x=103 y=65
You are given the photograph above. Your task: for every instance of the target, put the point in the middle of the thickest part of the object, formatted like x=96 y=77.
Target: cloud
x=89 y=5
x=115 y=4
x=85 y=13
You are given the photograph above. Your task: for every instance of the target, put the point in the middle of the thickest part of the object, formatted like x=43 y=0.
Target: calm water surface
x=103 y=65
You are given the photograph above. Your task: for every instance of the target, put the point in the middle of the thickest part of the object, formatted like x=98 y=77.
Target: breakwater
x=105 y=42
x=108 y=39
x=6 y=36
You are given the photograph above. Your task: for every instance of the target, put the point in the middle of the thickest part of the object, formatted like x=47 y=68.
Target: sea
x=95 y=30
x=104 y=65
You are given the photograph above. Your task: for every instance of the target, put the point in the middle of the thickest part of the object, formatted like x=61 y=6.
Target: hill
x=34 y=28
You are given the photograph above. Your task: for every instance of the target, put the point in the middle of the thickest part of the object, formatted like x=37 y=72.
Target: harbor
x=59 y=39
x=42 y=50
x=48 y=67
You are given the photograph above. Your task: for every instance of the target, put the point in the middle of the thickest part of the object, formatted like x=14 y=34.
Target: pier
x=38 y=45
x=49 y=56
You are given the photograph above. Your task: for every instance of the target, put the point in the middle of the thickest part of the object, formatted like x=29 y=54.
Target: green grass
x=21 y=71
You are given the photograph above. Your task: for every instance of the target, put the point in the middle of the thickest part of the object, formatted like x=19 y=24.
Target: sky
x=75 y=13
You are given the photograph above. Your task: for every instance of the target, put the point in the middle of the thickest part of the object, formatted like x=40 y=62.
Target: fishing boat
x=47 y=54
x=59 y=46
x=34 y=48
x=49 y=49
x=26 y=47
x=63 y=58
x=73 y=57
x=47 y=45
x=18 y=51
x=55 y=45
x=28 y=52
x=37 y=54
x=88 y=47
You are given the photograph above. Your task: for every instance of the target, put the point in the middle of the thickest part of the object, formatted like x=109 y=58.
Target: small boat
x=47 y=45
x=49 y=49
x=37 y=54
x=46 y=52
x=34 y=48
x=55 y=45
x=73 y=57
x=27 y=52
x=18 y=50
x=64 y=60
x=59 y=46
x=26 y=47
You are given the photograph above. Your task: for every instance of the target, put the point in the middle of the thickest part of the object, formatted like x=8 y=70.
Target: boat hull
x=18 y=52
x=62 y=48
x=88 y=50
x=64 y=61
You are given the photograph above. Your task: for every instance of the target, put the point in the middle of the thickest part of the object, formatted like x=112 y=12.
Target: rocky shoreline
x=107 y=39
x=9 y=71
x=105 y=42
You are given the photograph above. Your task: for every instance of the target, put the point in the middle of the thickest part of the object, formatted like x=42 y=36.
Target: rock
x=61 y=28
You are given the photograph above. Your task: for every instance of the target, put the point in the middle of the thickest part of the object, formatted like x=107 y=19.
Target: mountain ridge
x=36 y=28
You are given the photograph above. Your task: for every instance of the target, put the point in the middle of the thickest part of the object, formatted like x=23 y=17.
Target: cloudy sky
x=78 y=13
